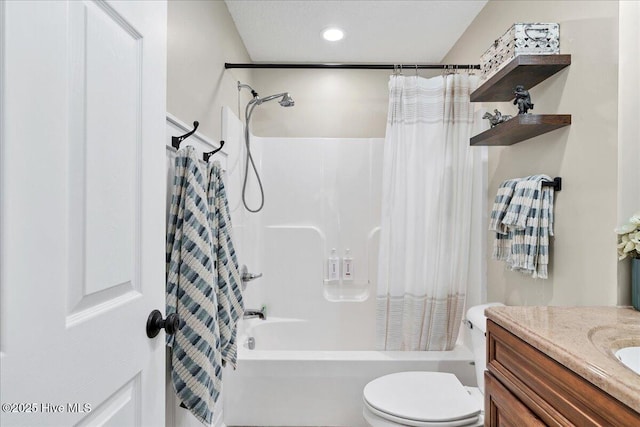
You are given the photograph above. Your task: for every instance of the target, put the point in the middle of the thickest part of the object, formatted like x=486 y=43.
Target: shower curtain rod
x=228 y=65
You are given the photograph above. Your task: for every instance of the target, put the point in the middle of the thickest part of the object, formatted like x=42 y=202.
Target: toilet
x=431 y=399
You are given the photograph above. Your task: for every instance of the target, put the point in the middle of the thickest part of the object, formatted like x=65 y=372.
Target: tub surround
x=582 y=339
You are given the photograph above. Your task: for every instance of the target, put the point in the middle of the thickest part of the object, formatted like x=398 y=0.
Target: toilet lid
x=433 y=397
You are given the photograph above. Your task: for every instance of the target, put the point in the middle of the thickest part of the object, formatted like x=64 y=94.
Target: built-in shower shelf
x=521 y=127
x=346 y=290
x=526 y=70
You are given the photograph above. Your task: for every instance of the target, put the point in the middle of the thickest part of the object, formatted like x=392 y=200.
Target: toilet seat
x=421 y=399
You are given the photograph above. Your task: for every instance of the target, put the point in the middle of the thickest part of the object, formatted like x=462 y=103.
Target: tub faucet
x=245 y=276
x=250 y=314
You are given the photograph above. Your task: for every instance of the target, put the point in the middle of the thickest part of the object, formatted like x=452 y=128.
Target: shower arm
x=245 y=86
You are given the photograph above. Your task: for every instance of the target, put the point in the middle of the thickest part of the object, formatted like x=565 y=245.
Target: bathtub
x=291 y=379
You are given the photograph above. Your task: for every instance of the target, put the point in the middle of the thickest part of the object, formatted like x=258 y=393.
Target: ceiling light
x=333 y=34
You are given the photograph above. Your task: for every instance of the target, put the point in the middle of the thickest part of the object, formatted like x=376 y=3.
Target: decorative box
x=520 y=39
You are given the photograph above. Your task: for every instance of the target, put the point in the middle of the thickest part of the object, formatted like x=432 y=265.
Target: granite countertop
x=583 y=339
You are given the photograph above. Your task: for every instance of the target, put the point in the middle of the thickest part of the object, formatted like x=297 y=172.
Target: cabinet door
x=503 y=408
x=555 y=394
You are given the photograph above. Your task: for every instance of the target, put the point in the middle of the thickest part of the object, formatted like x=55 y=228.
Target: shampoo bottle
x=333 y=266
x=347 y=266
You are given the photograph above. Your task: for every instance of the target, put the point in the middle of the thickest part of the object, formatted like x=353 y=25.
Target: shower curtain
x=426 y=212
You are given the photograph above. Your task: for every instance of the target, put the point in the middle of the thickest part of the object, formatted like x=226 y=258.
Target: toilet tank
x=477 y=323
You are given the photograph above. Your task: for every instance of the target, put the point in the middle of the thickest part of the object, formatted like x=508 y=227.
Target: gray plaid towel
x=228 y=286
x=196 y=365
x=502 y=242
x=528 y=222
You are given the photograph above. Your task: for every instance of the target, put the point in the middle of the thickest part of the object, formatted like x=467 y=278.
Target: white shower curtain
x=427 y=191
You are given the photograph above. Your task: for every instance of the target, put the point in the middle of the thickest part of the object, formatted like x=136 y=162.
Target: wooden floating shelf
x=526 y=70
x=521 y=127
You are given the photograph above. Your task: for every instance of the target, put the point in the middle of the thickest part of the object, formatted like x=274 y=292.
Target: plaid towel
x=196 y=365
x=228 y=286
x=525 y=199
x=529 y=223
x=502 y=242
x=544 y=231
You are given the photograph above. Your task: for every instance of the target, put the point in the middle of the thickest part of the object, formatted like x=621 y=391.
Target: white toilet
x=431 y=399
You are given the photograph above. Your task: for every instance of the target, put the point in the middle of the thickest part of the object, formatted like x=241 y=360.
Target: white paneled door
x=82 y=212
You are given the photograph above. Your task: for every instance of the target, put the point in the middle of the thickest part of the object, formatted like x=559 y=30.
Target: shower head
x=287 y=101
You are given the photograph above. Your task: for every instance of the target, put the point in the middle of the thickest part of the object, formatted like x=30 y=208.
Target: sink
x=620 y=342
x=630 y=357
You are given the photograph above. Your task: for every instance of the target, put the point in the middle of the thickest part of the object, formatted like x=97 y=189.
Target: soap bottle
x=347 y=266
x=333 y=265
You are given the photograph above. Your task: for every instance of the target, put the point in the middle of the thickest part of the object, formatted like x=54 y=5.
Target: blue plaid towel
x=196 y=365
x=502 y=242
x=228 y=286
x=523 y=226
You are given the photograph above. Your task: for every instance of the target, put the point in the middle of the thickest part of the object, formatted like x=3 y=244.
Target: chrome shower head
x=287 y=101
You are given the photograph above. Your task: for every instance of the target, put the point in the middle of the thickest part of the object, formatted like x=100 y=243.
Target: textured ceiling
x=376 y=31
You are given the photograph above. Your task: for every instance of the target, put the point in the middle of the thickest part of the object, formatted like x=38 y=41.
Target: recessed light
x=333 y=34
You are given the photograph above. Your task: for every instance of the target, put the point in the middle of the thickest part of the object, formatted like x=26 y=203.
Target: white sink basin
x=630 y=356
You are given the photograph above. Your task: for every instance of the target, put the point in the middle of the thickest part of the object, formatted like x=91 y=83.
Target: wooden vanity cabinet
x=525 y=387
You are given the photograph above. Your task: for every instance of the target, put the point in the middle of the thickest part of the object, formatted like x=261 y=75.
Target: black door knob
x=155 y=322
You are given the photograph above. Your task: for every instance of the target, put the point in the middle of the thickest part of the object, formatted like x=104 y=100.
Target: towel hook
x=207 y=156
x=176 y=140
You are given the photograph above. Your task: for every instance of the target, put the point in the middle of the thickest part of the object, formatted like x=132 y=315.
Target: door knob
x=155 y=322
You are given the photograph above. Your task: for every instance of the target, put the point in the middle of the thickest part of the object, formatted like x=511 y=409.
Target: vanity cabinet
x=525 y=387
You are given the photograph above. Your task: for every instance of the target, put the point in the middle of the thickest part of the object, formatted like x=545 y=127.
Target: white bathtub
x=290 y=379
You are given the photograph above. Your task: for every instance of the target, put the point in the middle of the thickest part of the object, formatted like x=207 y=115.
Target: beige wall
x=583 y=262
x=201 y=38
x=329 y=103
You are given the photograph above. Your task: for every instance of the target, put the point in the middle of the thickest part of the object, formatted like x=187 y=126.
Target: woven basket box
x=520 y=39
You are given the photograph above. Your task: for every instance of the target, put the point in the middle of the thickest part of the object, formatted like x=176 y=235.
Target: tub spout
x=250 y=314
